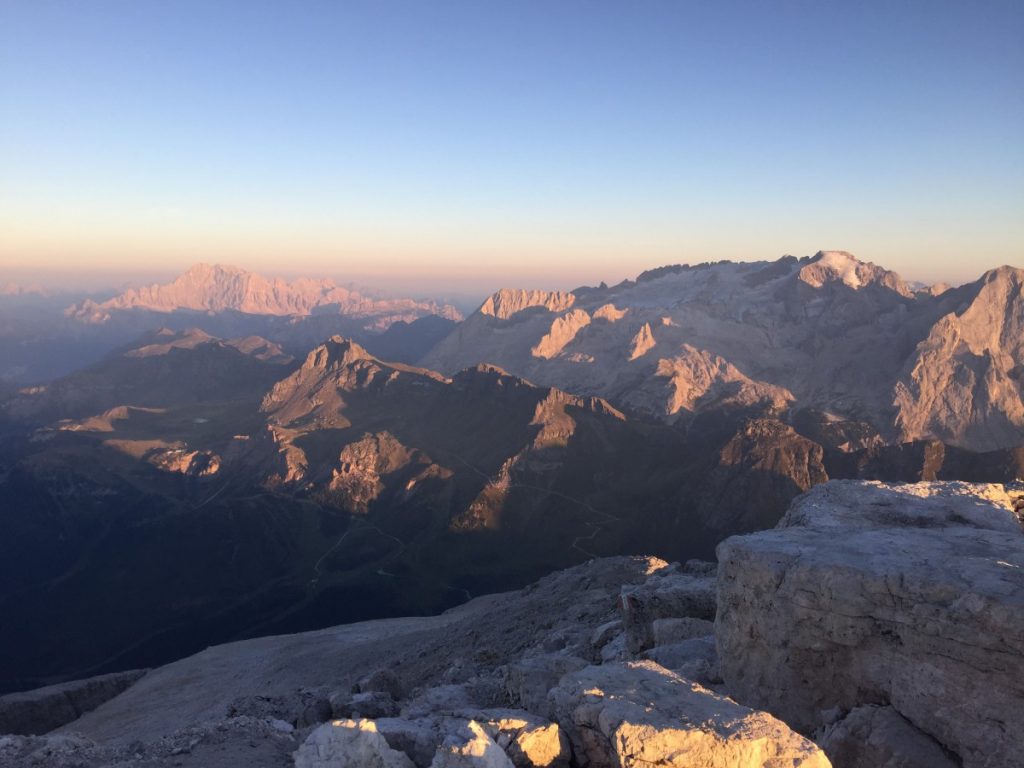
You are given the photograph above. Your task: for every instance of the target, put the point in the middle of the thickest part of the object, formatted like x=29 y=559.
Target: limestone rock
x=867 y=593
x=43 y=709
x=417 y=738
x=470 y=747
x=877 y=737
x=605 y=633
x=609 y=313
x=962 y=384
x=372 y=704
x=640 y=714
x=563 y=331
x=616 y=650
x=667 y=594
x=318 y=711
x=642 y=343
x=438 y=700
x=676 y=630
x=349 y=744
x=540 y=747
x=695 y=659
x=695 y=380
x=383 y=681
x=529 y=741
x=529 y=680
x=508 y=302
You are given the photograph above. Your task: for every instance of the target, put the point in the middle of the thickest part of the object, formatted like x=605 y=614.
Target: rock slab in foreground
x=867 y=593
x=638 y=714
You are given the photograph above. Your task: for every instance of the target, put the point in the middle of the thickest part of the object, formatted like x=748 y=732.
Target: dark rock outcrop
x=43 y=709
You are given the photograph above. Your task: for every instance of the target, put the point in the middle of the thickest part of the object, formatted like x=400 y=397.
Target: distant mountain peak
x=843 y=267
x=508 y=301
x=223 y=288
x=1005 y=272
x=335 y=353
x=828 y=331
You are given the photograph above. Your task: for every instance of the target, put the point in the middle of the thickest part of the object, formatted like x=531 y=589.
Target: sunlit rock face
x=910 y=596
x=349 y=743
x=827 y=332
x=357 y=480
x=964 y=384
x=506 y=303
x=640 y=714
x=219 y=288
x=563 y=331
x=695 y=381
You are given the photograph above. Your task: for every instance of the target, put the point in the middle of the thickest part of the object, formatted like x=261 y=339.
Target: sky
x=439 y=145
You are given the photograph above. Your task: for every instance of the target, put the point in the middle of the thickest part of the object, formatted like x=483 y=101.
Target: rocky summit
x=843 y=339
x=876 y=625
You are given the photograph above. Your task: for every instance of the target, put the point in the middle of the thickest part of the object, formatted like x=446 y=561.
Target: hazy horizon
x=458 y=146
x=461 y=289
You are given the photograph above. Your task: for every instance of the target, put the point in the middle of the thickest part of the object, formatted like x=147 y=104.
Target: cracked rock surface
x=910 y=596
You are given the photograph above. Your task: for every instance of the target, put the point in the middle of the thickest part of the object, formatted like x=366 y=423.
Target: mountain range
x=42 y=337
x=846 y=341
x=219 y=288
x=190 y=488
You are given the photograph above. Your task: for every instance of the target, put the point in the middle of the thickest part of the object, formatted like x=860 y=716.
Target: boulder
x=676 y=630
x=529 y=680
x=438 y=700
x=638 y=714
x=417 y=738
x=667 y=594
x=320 y=710
x=616 y=650
x=381 y=681
x=878 y=737
x=469 y=746
x=604 y=634
x=529 y=741
x=695 y=659
x=43 y=709
x=867 y=593
x=349 y=744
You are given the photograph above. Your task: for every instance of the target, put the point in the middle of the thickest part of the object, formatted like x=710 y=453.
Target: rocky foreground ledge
x=877 y=625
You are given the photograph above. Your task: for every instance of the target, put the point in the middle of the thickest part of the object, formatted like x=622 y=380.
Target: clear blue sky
x=503 y=141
